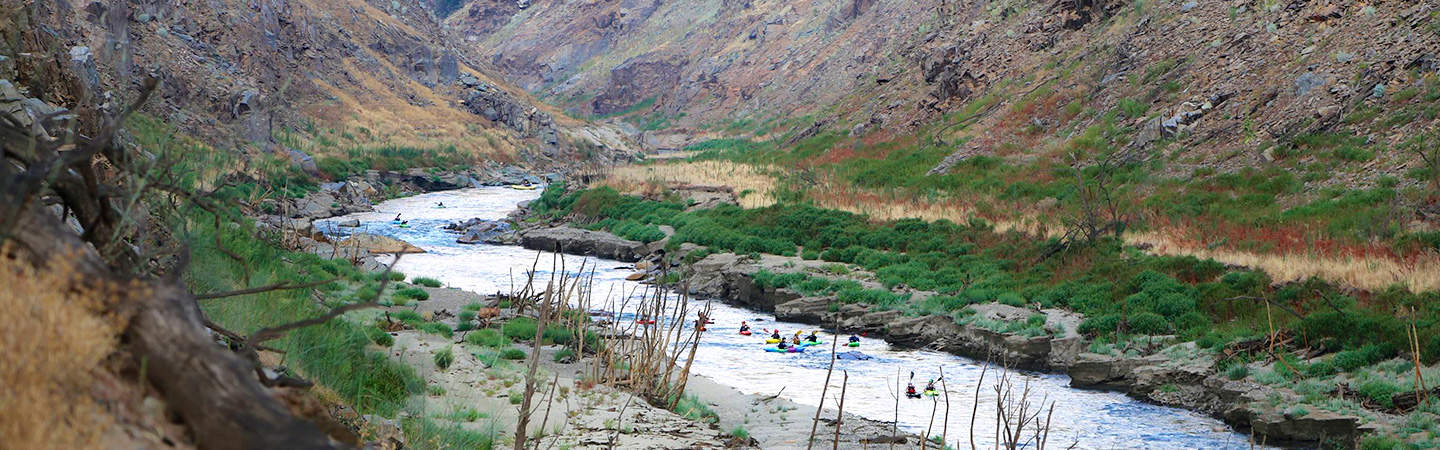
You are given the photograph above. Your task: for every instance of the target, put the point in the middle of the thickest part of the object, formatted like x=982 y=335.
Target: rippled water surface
x=1090 y=419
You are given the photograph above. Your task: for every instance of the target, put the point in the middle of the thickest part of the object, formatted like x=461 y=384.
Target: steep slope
x=1244 y=130
x=301 y=75
x=689 y=63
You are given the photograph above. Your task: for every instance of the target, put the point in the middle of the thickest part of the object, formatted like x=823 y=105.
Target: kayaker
x=854 y=338
x=930 y=387
x=796 y=338
x=744 y=326
x=812 y=337
x=775 y=334
x=440 y=204
x=910 y=390
x=782 y=345
x=397 y=217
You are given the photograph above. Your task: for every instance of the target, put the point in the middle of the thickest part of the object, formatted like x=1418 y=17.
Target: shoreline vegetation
x=1303 y=251
x=1314 y=347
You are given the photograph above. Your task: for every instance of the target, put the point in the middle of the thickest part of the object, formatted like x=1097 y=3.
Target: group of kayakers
x=783 y=343
x=796 y=342
x=929 y=389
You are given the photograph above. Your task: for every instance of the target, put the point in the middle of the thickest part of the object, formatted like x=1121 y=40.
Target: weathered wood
x=214 y=391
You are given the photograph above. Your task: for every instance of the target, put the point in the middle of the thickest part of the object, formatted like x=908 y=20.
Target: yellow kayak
x=772 y=341
x=522 y=187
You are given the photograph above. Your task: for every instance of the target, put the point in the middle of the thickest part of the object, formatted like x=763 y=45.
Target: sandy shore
x=776 y=422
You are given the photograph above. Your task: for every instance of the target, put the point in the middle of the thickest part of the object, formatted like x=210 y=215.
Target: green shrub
x=1035 y=320
x=394 y=276
x=1133 y=108
x=409 y=317
x=1237 y=372
x=1100 y=326
x=693 y=408
x=1379 y=391
x=1320 y=369
x=436 y=328
x=519 y=329
x=563 y=354
x=739 y=432
x=444 y=357
x=425 y=433
x=1381 y=442
x=412 y=293
x=512 y=354
x=465 y=415
x=557 y=335
x=1148 y=323
x=1192 y=320
x=486 y=338
x=1011 y=299
x=1349 y=360
x=380 y=337
x=427 y=282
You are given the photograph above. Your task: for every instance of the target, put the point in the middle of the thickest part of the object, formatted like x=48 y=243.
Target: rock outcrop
x=375 y=243
x=583 y=242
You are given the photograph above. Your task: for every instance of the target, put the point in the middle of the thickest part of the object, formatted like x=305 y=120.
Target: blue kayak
x=785 y=350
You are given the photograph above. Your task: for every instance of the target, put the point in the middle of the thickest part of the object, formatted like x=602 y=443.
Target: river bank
x=597 y=415
x=770 y=422
x=736 y=361
x=1156 y=372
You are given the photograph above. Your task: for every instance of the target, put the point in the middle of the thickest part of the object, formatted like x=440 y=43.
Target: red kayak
x=744 y=332
x=645 y=322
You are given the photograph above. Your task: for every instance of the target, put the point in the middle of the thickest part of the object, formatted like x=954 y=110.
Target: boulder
x=582 y=242
x=1307 y=82
x=1283 y=427
x=352 y=223
x=1092 y=370
x=303 y=161
x=804 y=309
x=375 y=243
x=317 y=205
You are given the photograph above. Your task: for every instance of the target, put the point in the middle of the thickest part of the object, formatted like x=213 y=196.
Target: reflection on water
x=1092 y=419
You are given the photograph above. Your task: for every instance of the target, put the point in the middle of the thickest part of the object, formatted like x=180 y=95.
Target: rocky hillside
x=1234 y=78
x=294 y=77
x=684 y=63
x=1236 y=130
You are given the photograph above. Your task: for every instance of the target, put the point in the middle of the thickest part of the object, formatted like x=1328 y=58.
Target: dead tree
x=1099 y=214
x=52 y=174
x=1427 y=148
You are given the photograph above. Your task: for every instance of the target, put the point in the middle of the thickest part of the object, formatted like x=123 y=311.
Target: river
x=1087 y=418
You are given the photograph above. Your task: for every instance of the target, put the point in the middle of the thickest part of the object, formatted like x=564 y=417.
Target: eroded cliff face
x=1231 y=77
x=708 y=60
x=240 y=73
